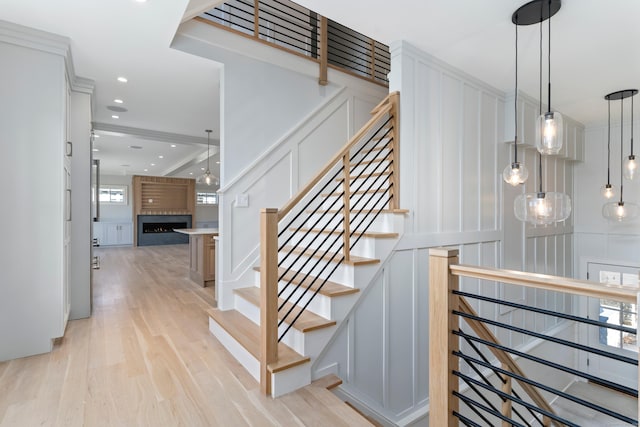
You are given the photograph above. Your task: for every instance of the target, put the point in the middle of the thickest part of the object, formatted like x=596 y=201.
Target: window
x=618 y=313
x=203 y=198
x=113 y=194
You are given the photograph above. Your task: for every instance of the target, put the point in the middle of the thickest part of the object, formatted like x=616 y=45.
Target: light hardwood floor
x=146 y=358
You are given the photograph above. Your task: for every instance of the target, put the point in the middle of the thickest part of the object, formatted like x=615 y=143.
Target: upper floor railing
x=289 y=26
x=465 y=352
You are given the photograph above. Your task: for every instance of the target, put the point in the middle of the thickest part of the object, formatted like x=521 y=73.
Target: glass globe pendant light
x=549 y=125
x=607 y=190
x=515 y=173
x=542 y=207
x=630 y=168
x=621 y=211
x=207 y=177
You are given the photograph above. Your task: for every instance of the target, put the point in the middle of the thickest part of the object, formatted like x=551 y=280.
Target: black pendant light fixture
x=621 y=211
x=515 y=173
x=542 y=207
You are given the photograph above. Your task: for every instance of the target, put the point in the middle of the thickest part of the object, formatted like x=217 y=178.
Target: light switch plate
x=242 y=200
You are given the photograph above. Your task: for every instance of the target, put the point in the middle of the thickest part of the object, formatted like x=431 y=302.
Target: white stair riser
x=369 y=201
x=365 y=247
x=371 y=168
x=282 y=382
x=324 y=306
x=291 y=379
x=384 y=222
x=246 y=359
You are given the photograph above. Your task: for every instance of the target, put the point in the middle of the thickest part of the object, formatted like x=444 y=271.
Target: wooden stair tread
x=376 y=149
x=354 y=260
x=364 y=211
x=329 y=382
x=330 y=289
x=382 y=190
x=247 y=334
x=307 y=321
x=373 y=234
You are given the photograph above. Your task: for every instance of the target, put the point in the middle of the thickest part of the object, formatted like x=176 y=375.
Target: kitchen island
x=202 y=254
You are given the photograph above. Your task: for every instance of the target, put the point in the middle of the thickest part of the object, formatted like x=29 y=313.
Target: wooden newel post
x=442 y=343
x=268 y=295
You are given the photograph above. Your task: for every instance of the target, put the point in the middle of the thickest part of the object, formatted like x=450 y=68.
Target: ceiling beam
x=188 y=162
x=153 y=135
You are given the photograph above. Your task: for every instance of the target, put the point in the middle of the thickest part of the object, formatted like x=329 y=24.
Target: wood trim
x=507 y=404
x=346 y=209
x=550 y=283
x=292 y=52
x=442 y=343
x=381 y=110
x=172 y=196
x=394 y=99
x=324 y=51
x=268 y=295
x=256 y=19
x=505 y=358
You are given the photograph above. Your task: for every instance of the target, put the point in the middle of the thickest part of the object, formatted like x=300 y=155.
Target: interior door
x=614 y=313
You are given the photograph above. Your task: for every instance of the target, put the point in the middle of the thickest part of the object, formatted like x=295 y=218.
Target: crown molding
x=43 y=41
x=153 y=135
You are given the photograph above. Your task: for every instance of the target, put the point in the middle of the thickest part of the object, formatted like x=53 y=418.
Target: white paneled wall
x=595 y=237
x=452 y=153
x=277 y=175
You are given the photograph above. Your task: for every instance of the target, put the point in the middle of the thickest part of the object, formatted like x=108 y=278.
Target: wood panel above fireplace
x=159 y=195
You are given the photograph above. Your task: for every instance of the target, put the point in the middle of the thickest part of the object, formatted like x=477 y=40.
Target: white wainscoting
x=452 y=153
x=277 y=175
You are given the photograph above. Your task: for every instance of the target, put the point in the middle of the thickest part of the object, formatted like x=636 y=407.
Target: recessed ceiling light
x=118 y=101
x=141 y=1
x=173 y=145
x=116 y=108
x=146 y=170
x=161 y=157
x=115 y=117
x=201 y=169
x=122 y=79
x=135 y=147
x=153 y=164
x=217 y=163
x=95 y=150
x=96 y=136
x=190 y=173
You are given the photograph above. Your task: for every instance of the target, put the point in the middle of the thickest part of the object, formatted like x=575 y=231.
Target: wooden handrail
x=550 y=283
x=443 y=276
x=378 y=112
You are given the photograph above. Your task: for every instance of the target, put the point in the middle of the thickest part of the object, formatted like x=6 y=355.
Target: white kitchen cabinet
x=113 y=233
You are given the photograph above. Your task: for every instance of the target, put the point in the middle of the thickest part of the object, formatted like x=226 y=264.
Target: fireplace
x=158 y=229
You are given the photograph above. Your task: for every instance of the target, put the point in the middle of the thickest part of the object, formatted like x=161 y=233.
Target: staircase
x=317 y=254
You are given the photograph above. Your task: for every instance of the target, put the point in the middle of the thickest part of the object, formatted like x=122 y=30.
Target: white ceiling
x=594 y=52
x=594 y=43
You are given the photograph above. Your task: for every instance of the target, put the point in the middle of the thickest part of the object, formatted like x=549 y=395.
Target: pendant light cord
x=609 y=143
x=632 y=95
x=549 y=62
x=621 y=144
x=515 y=103
x=540 y=102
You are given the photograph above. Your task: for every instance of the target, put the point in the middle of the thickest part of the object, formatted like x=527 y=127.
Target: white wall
x=279 y=126
x=79 y=134
x=32 y=118
x=594 y=236
x=452 y=153
x=117 y=213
